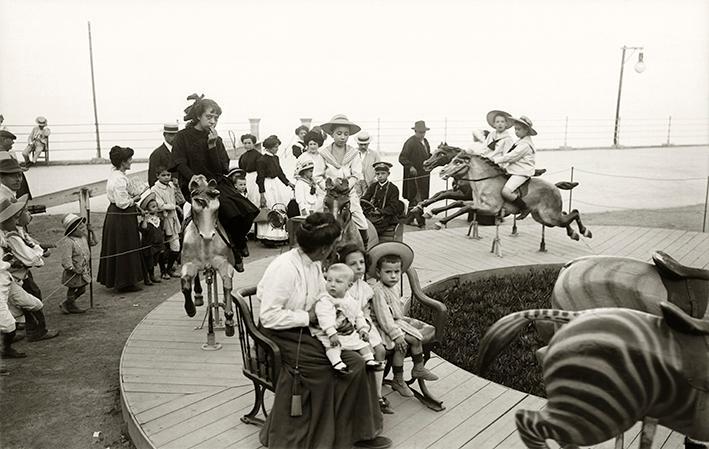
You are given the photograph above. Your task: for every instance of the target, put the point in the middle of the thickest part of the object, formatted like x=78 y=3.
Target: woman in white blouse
x=121 y=264
x=337 y=411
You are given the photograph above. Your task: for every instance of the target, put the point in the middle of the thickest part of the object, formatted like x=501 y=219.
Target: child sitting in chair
x=398 y=331
x=381 y=203
x=341 y=323
x=354 y=257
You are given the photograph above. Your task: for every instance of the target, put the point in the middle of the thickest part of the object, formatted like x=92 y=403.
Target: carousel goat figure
x=206 y=249
x=337 y=202
x=608 y=368
x=542 y=198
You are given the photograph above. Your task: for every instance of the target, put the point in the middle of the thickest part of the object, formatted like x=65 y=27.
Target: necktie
x=492 y=144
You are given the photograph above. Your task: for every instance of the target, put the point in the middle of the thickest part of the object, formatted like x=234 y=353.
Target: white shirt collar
x=169 y=147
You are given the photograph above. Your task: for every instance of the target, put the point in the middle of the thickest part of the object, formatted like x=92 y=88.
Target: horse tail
x=566 y=185
x=508 y=327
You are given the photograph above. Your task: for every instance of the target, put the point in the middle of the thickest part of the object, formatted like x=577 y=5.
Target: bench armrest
x=255 y=343
x=438 y=309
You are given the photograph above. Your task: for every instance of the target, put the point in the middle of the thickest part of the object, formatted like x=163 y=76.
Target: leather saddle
x=687 y=287
x=693 y=336
x=524 y=188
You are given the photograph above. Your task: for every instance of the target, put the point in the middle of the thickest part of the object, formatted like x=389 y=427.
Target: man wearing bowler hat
x=162 y=155
x=416 y=180
x=12 y=177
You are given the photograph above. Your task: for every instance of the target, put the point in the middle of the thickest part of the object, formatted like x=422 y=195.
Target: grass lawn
x=67 y=388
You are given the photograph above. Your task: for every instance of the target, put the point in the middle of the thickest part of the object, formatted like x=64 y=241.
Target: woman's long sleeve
x=275 y=295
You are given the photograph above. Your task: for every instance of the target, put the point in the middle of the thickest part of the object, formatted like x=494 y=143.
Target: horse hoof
x=575 y=236
x=438 y=226
x=428 y=215
x=198 y=301
x=588 y=234
x=189 y=308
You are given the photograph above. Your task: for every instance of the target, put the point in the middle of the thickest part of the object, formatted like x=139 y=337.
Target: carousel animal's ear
x=212 y=183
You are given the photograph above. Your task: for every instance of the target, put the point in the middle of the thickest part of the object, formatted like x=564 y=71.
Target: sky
x=396 y=60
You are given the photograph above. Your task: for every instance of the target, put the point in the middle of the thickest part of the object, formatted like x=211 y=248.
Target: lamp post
x=640 y=68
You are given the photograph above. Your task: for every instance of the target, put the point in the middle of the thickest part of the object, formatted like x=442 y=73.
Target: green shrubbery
x=474 y=306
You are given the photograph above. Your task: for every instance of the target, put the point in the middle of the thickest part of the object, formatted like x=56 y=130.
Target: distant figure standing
x=248 y=162
x=162 y=155
x=416 y=179
x=37 y=142
x=7 y=139
x=299 y=146
x=369 y=157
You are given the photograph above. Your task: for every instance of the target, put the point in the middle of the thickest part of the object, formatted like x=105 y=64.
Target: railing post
x=706 y=200
x=571 y=191
x=254 y=124
x=445 y=129
x=669 y=128
x=379 y=127
x=566 y=132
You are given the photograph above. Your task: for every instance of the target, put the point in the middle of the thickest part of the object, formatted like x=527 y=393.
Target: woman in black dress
x=198 y=150
x=121 y=264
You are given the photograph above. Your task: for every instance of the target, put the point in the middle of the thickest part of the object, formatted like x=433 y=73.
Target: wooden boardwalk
x=175 y=395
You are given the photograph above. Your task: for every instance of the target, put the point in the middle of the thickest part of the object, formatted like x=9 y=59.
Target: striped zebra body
x=607 y=281
x=604 y=371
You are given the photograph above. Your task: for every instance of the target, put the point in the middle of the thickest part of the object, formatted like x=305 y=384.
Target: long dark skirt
x=337 y=411
x=120 y=236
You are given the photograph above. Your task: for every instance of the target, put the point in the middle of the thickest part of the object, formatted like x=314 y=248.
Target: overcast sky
x=399 y=60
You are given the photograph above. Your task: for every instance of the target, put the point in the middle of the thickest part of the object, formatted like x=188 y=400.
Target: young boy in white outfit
x=341 y=323
x=518 y=161
x=499 y=141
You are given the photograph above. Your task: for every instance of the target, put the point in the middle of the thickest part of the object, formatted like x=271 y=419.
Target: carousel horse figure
x=337 y=202
x=608 y=368
x=206 y=248
x=462 y=188
x=543 y=199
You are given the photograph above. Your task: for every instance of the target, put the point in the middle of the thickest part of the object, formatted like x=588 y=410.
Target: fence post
x=85 y=212
x=254 y=124
x=706 y=200
x=445 y=129
x=566 y=132
x=571 y=191
x=669 y=128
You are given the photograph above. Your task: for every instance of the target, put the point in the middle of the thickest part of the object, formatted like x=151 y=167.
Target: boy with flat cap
x=383 y=195
x=7 y=140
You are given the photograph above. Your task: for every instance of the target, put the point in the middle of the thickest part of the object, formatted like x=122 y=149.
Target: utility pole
x=93 y=91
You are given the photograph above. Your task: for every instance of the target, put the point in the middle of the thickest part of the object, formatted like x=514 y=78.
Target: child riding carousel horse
x=518 y=161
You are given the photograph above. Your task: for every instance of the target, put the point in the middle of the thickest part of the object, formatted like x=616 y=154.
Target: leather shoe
x=375 y=443
x=48 y=334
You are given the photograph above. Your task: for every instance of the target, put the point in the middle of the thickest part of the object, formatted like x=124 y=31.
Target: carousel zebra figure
x=609 y=368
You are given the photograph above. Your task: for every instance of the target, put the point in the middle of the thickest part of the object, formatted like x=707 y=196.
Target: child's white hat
x=71 y=222
x=526 y=122
x=394 y=248
x=494 y=113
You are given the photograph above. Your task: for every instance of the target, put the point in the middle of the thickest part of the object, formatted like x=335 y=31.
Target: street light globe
x=640 y=65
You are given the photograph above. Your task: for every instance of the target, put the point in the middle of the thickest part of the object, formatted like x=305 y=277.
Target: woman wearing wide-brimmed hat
x=417 y=181
x=498 y=142
x=518 y=160
x=343 y=161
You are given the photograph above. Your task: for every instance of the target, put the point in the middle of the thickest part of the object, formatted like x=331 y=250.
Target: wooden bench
x=262 y=358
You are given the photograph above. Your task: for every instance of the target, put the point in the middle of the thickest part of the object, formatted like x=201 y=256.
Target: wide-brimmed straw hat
x=400 y=249
x=494 y=113
x=420 y=126
x=524 y=120
x=41 y=120
x=71 y=222
x=9 y=207
x=340 y=120
x=145 y=198
x=303 y=165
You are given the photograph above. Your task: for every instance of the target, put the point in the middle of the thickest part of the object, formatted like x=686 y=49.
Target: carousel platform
x=176 y=395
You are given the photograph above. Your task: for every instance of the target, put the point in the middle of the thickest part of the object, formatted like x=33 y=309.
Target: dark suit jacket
x=412 y=155
x=160 y=157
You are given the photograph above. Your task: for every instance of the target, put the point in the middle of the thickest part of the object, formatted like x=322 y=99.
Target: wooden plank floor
x=175 y=395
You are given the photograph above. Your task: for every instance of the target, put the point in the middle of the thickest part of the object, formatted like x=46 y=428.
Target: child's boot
x=69 y=306
x=153 y=278
x=8 y=352
x=37 y=330
x=419 y=371
x=385 y=406
x=399 y=385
